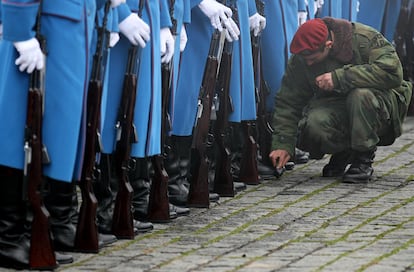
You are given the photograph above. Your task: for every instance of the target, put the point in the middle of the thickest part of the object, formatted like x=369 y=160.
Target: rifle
x=198 y=195
x=159 y=205
x=223 y=179
x=42 y=254
x=248 y=164
x=126 y=135
x=264 y=128
x=86 y=239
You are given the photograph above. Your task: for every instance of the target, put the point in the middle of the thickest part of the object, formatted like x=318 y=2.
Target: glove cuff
x=27 y=45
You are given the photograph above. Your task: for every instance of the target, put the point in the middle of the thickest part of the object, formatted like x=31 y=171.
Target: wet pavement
x=301 y=222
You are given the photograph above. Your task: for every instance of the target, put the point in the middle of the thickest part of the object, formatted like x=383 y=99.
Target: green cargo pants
x=333 y=124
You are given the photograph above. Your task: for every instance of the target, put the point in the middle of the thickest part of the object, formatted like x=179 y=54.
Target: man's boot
x=14 y=232
x=301 y=156
x=139 y=177
x=361 y=169
x=61 y=201
x=176 y=165
x=105 y=191
x=179 y=184
x=104 y=195
x=337 y=164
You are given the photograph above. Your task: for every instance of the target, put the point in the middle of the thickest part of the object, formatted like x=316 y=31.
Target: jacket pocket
x=67 y=9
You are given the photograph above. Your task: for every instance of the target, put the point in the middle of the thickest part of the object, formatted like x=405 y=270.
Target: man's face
x=321 y=54
x=317 y=57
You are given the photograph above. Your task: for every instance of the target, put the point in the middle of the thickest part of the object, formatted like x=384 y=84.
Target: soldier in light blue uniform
x=148 y=103
x=174 y=166
x=204 y=15
x=281 y=24
x=67 y=75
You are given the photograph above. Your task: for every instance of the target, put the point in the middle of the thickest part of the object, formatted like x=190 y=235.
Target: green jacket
x=362 y=59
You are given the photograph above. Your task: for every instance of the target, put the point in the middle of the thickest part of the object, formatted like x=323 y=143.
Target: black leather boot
x=105 y=191
x=140 y=179
x=14 y=231
x=60 y=200
x=301 y=156
x=104 y=195
x=361 y=169
x=176 y=164
x=337 y=164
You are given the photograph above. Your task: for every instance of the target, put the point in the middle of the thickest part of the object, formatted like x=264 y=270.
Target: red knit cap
x=309 y=36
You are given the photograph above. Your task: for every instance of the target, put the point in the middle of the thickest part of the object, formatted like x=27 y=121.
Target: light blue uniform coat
x=281 y=25
x=192 y=67
x=67 y=26
x=147 y=116
x=182 y=15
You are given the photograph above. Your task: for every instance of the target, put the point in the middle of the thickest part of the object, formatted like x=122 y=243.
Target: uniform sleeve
x=301 y=5
x=165 y=18
x=380 y=67
x=122 y=11
x=186 y=12
x=194 y=3
x=19 y=19
x=290 y=101
x=252 y=7
x=115 y=20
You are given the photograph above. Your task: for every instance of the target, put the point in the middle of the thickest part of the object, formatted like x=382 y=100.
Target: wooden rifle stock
x=123 y=221
x=223 y=179
x=159 y=205
x=264 y=130
x=87 y=237
x=42 y=254
x=248 y=164
x=199 y=192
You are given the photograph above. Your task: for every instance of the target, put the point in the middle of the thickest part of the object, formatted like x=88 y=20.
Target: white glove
x=318 y=4
x=135 y=29
x=167 y=44
x=183 y=38
x=115 y=3
x=31 y=56
x=302 y=16
x=113 y=39
x=216 y=12
x=233 y=31
x=257 y=23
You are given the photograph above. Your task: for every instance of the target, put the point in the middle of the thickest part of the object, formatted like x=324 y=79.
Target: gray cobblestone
x=301 y=222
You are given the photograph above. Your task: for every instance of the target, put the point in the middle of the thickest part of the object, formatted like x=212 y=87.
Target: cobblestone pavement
x=301 y=222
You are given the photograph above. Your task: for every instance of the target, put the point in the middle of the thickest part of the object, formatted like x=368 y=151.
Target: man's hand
x=302 y=16
x=257 y=23
x=31 y=56
x=325 y=82
x=220 y=16
x=113 y=39
x=166 y=44
x=216 y=12
x=135 y=29
x=115 y=3
x=183 y=38
x=279 y=158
